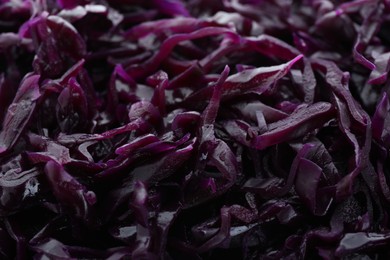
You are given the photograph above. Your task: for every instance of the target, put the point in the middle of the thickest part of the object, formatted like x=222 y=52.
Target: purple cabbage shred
x=194 y=129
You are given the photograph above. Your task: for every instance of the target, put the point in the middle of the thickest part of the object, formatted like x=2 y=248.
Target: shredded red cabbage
x=194 y=129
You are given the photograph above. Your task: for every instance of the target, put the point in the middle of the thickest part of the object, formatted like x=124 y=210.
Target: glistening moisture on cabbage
x=194 y=129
